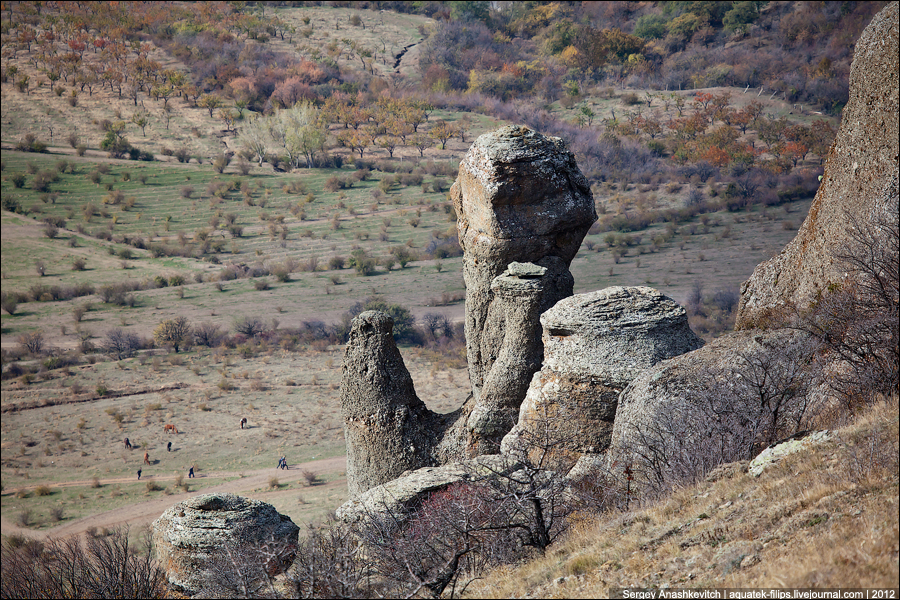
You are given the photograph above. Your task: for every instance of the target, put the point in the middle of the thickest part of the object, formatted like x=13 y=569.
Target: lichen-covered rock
x=595 y=344
x=189 y=539
x=519 y=197
x=864 y=158
x=774 y=454
x=511 y=347
x=388 y=429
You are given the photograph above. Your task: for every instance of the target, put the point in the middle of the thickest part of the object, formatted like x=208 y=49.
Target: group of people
x=282 y=463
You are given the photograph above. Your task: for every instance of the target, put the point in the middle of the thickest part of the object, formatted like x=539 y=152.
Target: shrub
x=121 y=344
x=249 y=326
x=33 y=342
x=9 y=303
x=17 y=179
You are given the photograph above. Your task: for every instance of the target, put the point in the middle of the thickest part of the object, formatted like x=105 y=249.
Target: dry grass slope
x=823 y=518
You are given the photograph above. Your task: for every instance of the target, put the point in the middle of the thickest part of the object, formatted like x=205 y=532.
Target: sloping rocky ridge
x=683 y=404
x=862 y=161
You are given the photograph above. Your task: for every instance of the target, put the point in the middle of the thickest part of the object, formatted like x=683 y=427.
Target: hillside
x=821 y=518
x=198 y=198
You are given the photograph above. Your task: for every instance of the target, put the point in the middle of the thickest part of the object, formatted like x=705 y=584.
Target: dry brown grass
x=824 y=518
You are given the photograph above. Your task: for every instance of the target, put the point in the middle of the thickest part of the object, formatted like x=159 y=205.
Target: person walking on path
x=169 y=447
x=139 y=474
x=191 y=472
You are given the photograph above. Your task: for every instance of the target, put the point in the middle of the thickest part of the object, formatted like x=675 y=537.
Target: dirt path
x=144 y=513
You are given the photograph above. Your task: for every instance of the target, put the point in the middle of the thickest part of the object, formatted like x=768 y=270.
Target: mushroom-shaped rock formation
x=519 y=197
x=190 y=538
x=595 y=344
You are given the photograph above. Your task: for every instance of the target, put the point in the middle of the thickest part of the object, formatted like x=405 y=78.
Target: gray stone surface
x=774 y=454
x=189 y=538
x=595 y=344
x=863 y=160
x=696 y=411
x=388 y=429
x=399 y=495
x=511 y=347
x=519 y=197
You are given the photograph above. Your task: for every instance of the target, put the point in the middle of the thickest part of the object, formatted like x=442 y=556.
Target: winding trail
x=144 y=513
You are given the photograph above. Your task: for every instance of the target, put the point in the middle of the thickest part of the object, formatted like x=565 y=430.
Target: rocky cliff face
x=859 y=168
x=190 y=538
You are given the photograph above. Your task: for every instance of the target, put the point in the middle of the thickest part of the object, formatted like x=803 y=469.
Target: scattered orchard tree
x=173 y=332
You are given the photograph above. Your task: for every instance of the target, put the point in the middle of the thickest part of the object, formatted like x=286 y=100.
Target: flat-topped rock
x=189 y=538
x=615 y=333
x=595 y=344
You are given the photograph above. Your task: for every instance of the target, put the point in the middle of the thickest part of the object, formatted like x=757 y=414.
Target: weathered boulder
x=189 y=539
x=679 y=419
x=774 y=454
x=864 y=158
x=400 y=496
x=595 y=344
x=519 y=197
x=388 y=429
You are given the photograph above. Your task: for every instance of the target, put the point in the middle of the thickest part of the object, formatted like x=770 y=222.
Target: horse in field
x=127 y=444
x=243 y=422
x=147 y=457
x=169 y=428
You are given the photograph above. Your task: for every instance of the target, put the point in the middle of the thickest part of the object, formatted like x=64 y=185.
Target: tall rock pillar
x=519 y=197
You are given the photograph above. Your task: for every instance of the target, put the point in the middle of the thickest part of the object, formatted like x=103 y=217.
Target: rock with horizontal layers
x=863 y=160
x=595 y=344
x=190 y=538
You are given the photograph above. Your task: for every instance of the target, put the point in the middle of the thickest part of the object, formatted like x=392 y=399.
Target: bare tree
x=859 y=321
x=207 y=334
x=121 y=344
x=32 y=342
x=249 y=326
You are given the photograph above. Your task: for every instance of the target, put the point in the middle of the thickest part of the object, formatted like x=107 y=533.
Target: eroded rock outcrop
x=595 y=344
x=519 y=197
x=189 y=539
x=405 y=493
x=688 y=414
x=523 y=208
x=864 y=158
x=388 y=429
